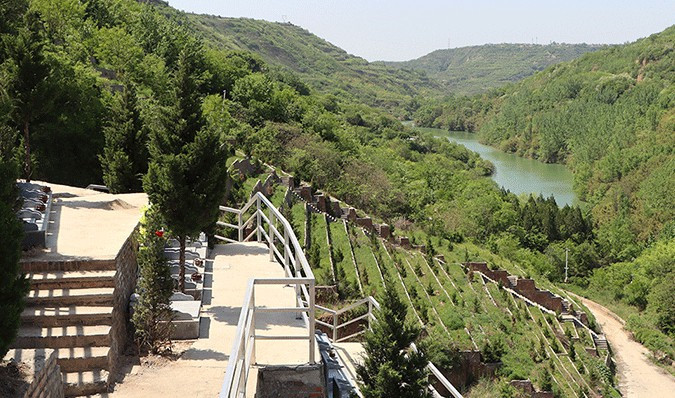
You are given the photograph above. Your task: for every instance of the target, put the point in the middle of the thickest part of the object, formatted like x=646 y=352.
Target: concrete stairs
x=601 y=342
x=69 y=309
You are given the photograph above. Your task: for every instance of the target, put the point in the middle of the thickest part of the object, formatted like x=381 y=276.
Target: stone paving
x=201 y=369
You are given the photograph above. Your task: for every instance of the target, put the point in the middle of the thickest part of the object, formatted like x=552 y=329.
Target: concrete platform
x=86 y=224
x=201 y=369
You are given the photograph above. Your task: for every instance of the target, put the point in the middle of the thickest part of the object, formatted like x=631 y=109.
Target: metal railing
x=336 y=326
x=370 y=316
x=297 y=273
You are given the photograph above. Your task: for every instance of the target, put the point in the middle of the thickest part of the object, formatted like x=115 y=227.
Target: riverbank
x=519 y=175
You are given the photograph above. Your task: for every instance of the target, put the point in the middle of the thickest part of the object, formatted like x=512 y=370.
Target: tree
x=124 y=158
x=187 y=171
x=13 y=285
x=30 y=87
x=152 y=313
x=391 y=368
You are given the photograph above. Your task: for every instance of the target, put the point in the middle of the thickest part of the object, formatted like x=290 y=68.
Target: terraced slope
x=461 y=310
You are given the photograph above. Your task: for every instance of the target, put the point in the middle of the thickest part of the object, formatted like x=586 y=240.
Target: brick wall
x=125 y=283
x=47 y=382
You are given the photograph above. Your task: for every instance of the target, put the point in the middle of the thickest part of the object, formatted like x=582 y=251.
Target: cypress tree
x=13 y=285
x=391 y=368
x=124 y=159
x=30 y=90
x=187 y=171
x=155 y=286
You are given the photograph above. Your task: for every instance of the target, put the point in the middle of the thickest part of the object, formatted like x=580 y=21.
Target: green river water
x=519 y=175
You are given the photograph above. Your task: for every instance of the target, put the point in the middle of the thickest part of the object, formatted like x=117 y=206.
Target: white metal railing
x=297 y=273
x=370 y=316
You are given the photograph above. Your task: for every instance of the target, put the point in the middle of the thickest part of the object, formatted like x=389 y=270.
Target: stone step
x=62 y=337
x=79 y=359
x=72 y=279
x=100 y=296
x=68 y=265
x=77 y=384
x=67 y=316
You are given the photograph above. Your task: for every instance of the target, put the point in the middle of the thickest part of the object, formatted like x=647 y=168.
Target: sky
x=396 y=30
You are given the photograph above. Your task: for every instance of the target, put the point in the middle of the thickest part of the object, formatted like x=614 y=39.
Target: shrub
x=152 y=313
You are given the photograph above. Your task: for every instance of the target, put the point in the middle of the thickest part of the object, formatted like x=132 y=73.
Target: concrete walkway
x=201 y=369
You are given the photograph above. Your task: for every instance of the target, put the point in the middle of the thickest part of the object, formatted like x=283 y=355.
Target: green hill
x=610 y=116
x=474 y=69
x=325 y=67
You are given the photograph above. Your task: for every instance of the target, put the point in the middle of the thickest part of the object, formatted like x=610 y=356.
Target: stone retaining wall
x=302 y=381
x=47 y=382
x=523 y=286
x=125 y=284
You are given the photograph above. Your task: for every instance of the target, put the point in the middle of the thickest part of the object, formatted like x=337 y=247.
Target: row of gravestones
x=318 y=202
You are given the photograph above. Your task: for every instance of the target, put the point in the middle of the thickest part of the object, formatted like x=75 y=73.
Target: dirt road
x=638 y=377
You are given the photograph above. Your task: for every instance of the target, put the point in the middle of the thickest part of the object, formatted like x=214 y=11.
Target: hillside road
x=637 y=376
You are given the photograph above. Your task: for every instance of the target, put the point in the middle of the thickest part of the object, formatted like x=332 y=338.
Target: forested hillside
x=475 y=69
x=610 y=116
x=141 y=96
x=323 y=66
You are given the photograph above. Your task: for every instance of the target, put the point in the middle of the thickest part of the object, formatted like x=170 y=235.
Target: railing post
x=258 y=218
x=335 y=327
x=370 y=313
x=271 y=234
x=252 y=331
x=286 y=250
x=241 y=229
x=298 y=290
x=312 y=314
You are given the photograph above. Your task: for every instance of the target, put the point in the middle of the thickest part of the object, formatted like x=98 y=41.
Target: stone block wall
x=470 y=369
x=302 y=381
x=245 y=167
x=365 y=222
x=524 y=286
x=125 y=284
x=47 y=382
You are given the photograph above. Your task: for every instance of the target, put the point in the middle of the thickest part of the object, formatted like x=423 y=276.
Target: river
x=518 y=175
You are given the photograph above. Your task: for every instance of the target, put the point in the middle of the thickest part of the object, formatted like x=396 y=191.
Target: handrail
x=298 y=274
x=373 y=304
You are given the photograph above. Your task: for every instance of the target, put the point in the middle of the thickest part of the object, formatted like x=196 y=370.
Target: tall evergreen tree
x=155 y=286
x=13 y=285
x=391 y=368
x=30 y=89
x=187 y=172
x=124 y=158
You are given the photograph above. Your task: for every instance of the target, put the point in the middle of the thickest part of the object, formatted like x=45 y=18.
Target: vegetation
x=13 y=284
x=152 y=312
x=609 y=116
x=317 y=64
x=391 y=368
x=475 y=69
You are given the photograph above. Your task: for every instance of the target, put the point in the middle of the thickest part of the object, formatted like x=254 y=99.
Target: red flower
x=159 y=233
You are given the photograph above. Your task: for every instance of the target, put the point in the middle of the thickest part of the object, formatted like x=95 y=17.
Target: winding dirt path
x=638 y=377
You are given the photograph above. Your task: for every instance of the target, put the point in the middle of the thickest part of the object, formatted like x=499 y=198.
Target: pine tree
x=13 y=285
x=124 y=158
x=155 y=286
x=30 y=89
x=187 y=171
x=391 y=368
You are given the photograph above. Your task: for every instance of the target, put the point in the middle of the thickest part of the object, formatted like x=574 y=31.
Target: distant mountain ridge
x=391 y=85
x=475 y=69
x=322 y=65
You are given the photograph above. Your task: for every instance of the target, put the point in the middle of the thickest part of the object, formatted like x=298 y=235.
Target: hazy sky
x=396 y=30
